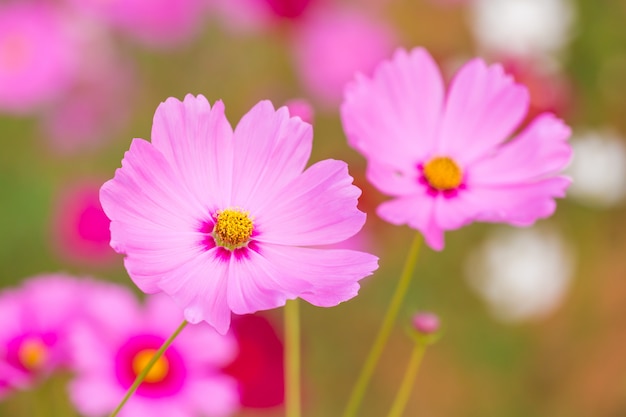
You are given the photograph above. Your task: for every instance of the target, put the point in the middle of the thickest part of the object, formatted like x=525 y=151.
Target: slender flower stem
x=404 y=392
x=292 y=359
x=142 y=375
x=358 y=392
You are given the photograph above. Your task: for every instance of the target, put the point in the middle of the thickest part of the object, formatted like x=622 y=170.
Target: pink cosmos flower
x=35 y=321
x=446 y=159
x=80 y=227
x=155 y=23
x=219 y=219
x=36 y=56
x=98 y=103
x=332 y=44
x=301 y=108
x=121 y=337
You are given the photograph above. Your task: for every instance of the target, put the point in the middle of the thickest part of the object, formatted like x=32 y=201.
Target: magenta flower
x=219 y=219
x=446 y=159
x=35 y=321
x=119 y=338
x=258 y=366
x=80 y=227
x=37 y=56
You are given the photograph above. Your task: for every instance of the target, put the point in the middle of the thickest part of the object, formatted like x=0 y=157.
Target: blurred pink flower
x=217 y=218
x=549 y=89
x=99 y=101
x=154 y=23
x=445 y=158
x=35 y=322
x=121 y=337
x=290 y=9
x=37 y=60
x=331 y=45
x=301 y=108
x=80 y=227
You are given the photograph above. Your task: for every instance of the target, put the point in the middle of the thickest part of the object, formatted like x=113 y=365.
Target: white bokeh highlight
x=521 y=274
x=598 y=169
x=522 y=27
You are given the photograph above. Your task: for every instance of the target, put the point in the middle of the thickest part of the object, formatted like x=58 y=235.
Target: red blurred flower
x=258 y=366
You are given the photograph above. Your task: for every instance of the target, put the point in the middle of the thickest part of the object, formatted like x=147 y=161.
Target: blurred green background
x=569 y=363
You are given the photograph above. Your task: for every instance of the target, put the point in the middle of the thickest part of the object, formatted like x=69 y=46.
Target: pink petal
x=418 y=212
x=400 y=105
x=197 y=142
x=155 y=221
x=215 y=397
x=94 y=396
x=540 y=150
x=163 y=316
x=317 y=208
x=392 y=179
x=270 y=150
x=328 y=276
x=199 y=287
x=520 y=205
x=255 y=284
x=192 y=343
x=483 y=108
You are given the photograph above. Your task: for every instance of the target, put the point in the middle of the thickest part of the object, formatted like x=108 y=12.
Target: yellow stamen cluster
x=443 y=173
x=159 y=370
x=32 y=353
x=233 y=228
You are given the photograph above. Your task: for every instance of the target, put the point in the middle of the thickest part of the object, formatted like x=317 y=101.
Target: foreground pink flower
x=37 y=57
x=35 y=321
x=445 y=158
x=118 y=340
x=218 y=218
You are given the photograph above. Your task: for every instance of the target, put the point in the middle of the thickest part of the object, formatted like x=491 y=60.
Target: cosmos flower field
x=240 y=208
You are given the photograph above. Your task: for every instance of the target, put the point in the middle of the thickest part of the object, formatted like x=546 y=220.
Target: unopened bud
x=426 y=323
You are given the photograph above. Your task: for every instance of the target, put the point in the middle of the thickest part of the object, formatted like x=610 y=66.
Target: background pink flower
x=35 y=322
x=99 y=101
x=121 y=336
x=445 y=158
x=332 y=44
x=37 y=56
x=301 y=108
x=218 y=219
x=155 y=23
x=80 y=229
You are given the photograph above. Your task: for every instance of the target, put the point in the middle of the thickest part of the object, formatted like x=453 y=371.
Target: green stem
x=358 y=392
x=149 y=365
x=406 y=387
x=292 y=359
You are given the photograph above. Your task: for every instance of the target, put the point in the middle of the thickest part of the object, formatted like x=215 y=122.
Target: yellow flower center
x=32 y=353
x=159 y=370
x=233 y=228
x=443 y=173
